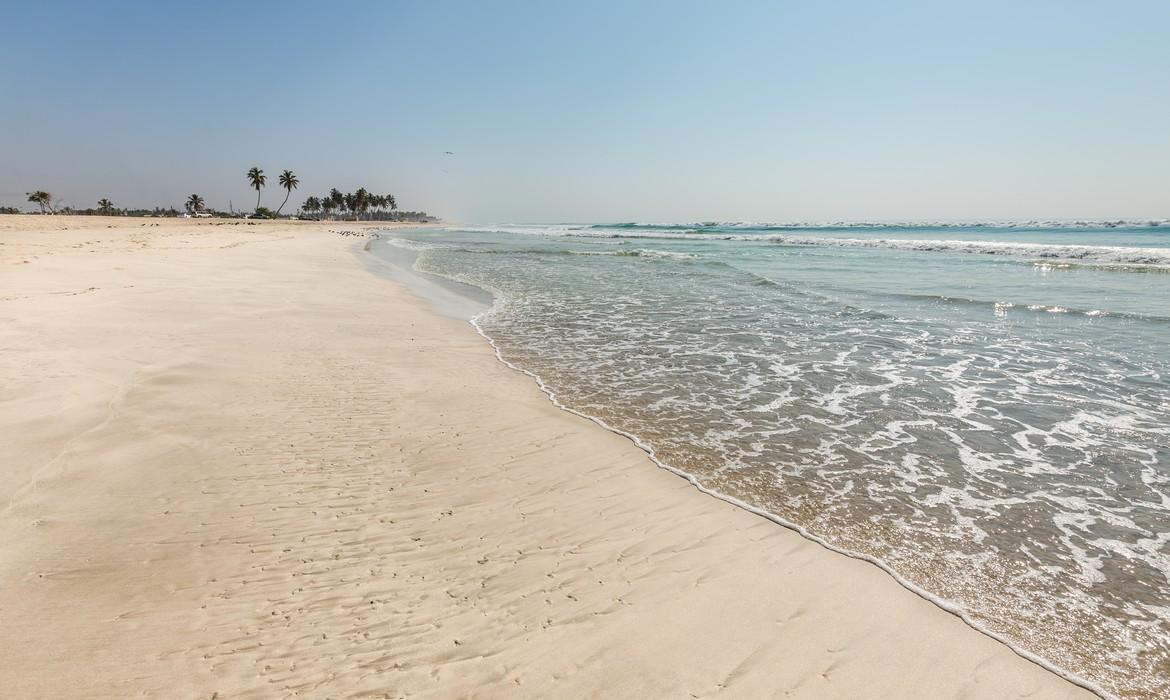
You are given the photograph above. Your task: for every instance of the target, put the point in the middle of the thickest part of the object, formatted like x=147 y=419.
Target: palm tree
x=337 y=198
x=327 y=206
x=289 y=182
x=105 y=206
x=362 y=201
x=194 y=204
x=44 y=199
x=390 y=202
x=257 y=179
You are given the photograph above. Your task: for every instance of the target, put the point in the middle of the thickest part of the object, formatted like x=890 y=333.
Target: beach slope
x=235 y=464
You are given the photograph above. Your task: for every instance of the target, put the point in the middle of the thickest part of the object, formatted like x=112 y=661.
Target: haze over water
x=981 y=409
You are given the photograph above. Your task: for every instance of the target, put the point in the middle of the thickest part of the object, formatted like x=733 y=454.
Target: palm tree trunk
x=286 y=196
x=257 y=198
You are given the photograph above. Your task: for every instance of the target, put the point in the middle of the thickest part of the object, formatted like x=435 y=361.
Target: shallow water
x=983 y=409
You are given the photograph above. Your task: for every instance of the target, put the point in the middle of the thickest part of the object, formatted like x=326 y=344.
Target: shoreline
x=274 y=379
x=941 y=603
x=437 y=299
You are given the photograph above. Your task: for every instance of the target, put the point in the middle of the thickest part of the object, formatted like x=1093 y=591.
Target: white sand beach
x=236 y=464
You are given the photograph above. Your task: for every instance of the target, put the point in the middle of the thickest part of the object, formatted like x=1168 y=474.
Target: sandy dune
x=235 y=464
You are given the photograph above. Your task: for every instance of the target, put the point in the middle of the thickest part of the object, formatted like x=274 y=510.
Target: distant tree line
x=360 y=205
x=50 y=204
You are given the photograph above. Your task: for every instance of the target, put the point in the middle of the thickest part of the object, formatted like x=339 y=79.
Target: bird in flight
x=449 y=153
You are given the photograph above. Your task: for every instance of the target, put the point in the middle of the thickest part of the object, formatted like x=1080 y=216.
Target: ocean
x=983 y=410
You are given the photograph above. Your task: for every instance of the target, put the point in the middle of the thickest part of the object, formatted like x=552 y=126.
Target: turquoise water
x=982 y=410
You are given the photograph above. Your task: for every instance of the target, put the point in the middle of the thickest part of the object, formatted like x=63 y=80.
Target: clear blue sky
x=599 y=111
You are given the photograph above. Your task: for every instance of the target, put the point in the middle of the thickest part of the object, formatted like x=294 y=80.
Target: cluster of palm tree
x=359 y=204
x=257 y=179
x=42 y=198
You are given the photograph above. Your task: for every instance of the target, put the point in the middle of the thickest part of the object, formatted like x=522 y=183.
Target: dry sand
x=235 y=464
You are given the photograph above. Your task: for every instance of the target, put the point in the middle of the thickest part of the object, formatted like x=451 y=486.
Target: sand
x=235 y=464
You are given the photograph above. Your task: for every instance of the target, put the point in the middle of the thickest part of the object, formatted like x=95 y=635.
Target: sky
x=599 y=111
